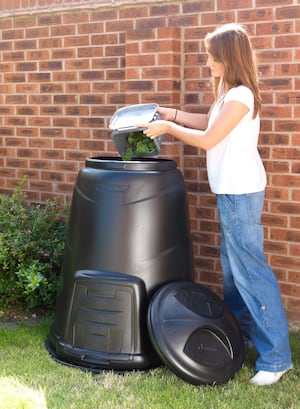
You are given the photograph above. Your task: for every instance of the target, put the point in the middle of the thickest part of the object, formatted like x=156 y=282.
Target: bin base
x=106 y=326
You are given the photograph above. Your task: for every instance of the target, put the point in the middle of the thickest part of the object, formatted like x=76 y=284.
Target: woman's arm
x=190 y=120
x=229 y=117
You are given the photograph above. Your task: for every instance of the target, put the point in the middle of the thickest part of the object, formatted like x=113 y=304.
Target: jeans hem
x=274 y=368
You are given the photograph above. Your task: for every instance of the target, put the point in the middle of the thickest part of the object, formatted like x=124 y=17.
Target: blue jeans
x=250 y=286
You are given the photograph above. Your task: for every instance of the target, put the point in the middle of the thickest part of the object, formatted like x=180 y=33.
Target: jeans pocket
x=226 y=209
x=254 y=203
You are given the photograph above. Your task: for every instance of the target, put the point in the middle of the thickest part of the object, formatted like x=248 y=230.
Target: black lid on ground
x=195 y=334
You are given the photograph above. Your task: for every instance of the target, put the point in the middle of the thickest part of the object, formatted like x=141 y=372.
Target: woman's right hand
x=167 y=114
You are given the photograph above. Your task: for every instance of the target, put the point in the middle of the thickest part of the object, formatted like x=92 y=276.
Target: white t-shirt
x=234 y=165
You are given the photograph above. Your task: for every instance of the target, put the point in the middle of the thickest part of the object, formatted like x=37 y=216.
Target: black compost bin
x=128 y=235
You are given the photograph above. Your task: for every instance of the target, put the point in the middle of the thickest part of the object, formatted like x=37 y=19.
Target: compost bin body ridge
x=128 y=235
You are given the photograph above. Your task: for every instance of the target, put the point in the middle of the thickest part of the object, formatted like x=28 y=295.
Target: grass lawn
x=31 y=379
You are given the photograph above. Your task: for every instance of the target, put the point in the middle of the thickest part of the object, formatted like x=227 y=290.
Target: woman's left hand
x=155 y=128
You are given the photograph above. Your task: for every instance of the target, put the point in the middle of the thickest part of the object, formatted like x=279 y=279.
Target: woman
x=229 y=134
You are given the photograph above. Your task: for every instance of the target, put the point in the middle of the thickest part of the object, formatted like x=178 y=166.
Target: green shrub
x=31 y=247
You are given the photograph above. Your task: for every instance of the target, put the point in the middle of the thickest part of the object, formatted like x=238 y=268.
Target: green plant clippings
x=139 y=145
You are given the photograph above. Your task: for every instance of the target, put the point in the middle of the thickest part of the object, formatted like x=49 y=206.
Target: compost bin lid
x=127 y=117
x=195 y=334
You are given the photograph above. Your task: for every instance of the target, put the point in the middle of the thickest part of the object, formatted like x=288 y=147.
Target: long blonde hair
x=230 y=45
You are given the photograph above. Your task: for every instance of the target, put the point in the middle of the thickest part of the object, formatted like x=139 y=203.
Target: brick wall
x=66 y=66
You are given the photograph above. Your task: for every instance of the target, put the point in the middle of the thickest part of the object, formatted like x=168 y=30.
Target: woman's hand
x=155 y=128
x=168 y=114
x=159 y=127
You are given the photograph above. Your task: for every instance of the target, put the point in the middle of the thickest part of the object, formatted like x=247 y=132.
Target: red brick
x=255 y=14
x=275 y=28
x=291 y=12
x=24 y=21
x=294 y=305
